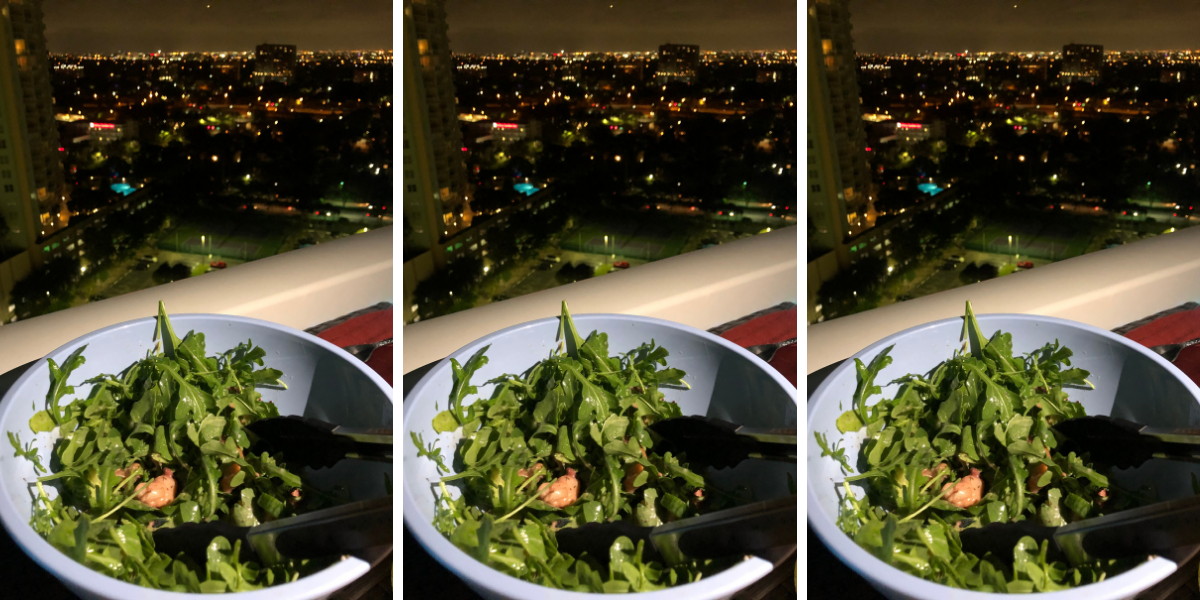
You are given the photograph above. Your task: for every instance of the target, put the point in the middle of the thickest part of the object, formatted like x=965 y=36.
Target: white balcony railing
x=704 y=288
x=1105 y=289
x=300 y=289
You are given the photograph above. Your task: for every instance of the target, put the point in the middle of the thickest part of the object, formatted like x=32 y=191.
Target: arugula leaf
x=176 y=414
x=568 y=334
x=28 y=452
x=432 y=452
x=848 y=422
x=973 y=334
x=462 y=383
x=58 y=382
x=42 y=422
x=838 y=454
x=163 y=328
x=579 y=417
x=866 y=382
x=991 y=416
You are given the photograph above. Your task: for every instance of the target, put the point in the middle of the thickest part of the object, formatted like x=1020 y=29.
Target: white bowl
x=1131 y=383
x=324 y=382
x=727 y=382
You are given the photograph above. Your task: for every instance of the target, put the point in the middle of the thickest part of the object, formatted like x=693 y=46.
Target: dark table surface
x=24 y=578
x=829 y=577
x=427 y=578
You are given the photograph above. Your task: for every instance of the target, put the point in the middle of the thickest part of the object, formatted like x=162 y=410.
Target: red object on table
x=769 y=329
x=1173 y=329
x=371 y=327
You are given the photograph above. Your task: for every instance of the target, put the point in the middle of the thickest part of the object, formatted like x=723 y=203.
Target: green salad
x=564 y=444
x=969 y=444
x=158 y=445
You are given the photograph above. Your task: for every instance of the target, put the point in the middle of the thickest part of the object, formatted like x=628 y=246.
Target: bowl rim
x=879 y=573
x=76 y=575
x=477 y=574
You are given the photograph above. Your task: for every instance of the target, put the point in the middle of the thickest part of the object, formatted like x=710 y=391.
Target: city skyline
x=915 y=26
x=490 y=26
x=111 y=26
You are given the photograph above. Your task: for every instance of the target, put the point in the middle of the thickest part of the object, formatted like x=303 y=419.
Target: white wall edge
x=300 y=289
x=1105 y=289
x=703 y=289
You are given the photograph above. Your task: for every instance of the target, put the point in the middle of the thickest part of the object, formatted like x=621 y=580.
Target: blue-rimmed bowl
x=323 y=382
x=1130 y=381
x=727 y=382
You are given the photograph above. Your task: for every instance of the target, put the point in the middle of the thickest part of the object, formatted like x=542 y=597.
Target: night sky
x=894 y=26
x=509 y=26
x=106 y=26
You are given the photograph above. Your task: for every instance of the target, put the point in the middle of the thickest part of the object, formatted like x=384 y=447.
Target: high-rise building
x=677 y=62
x=437 y=198
x=33 y=203
x=274 y=62
x=436 y=195
x=833 y=84
x=1081 y=62
x=840 y=193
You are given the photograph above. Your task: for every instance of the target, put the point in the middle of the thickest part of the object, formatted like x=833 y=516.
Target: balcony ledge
x=300 y=289
x=702 y=289
x=1104 y=289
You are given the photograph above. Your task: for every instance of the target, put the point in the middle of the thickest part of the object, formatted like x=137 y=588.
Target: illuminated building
x=436 y=195
x=1036 y=69
x=110 y=132
x=1081 y=62
x=514 y=132
x=916 y=132
x=33 y=204
x=1176 y=75
x=274 y=62
x=630 y=68
x=767 y=76
x=835 y=129
x=840 y=194
x=231 y=70
x=677 y=62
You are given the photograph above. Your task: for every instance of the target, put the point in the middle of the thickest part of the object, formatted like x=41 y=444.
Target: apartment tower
x=436 y=195
x=833 y=86
x=840 y=193
x=33 y=203
x=274 y=62
x=677 y=62
x=1081 y=62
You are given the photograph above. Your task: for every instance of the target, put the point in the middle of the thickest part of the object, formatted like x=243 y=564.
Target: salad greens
x=972 y=443
x=564 y=444
x=158 y=445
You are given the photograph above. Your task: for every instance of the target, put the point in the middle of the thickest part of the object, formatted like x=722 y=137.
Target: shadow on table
x=829 y=577
x=22 y=577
